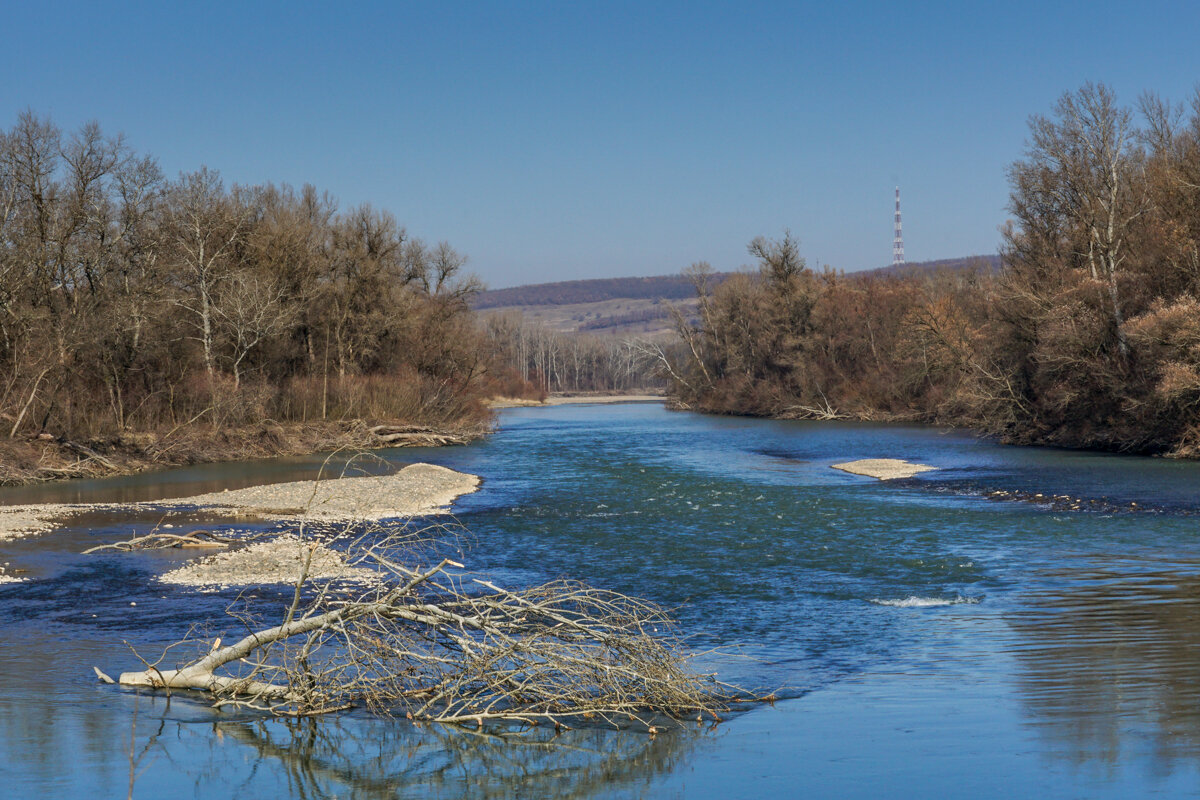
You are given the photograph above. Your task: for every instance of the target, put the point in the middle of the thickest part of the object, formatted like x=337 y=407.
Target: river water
x=929 y=637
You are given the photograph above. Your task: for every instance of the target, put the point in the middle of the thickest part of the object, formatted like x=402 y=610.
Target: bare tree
x=436 y=270
x=1081 y=168
x=252 y=309
x=204 y=223
x=693 y=335
x=780 y=261
x=365 y=271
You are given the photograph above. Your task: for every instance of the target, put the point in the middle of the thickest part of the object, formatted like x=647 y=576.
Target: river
x=927 y=637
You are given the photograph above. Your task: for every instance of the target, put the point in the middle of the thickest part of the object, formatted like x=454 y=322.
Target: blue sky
x=561 y=140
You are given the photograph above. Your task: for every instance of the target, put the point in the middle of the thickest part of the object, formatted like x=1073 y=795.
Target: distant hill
x=988 y=263
x=638 y=306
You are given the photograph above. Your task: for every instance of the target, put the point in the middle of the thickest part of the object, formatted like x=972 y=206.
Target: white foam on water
x=925 y=602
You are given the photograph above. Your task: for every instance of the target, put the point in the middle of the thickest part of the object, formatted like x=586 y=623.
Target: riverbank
x=44 y=458
x=1186 y=450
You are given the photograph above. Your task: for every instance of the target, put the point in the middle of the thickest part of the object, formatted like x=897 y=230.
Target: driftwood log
x=157 y=540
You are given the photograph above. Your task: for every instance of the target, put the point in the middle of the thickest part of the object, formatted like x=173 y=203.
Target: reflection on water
x=372 y=758
x=118 y=739
x=1110 y=652
x=352 y=756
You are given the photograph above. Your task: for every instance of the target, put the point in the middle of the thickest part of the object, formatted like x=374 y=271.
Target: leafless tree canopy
x=134 y=302
x=567 y=362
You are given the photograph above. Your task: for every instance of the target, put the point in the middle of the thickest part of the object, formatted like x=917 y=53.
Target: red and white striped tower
x=898 y=242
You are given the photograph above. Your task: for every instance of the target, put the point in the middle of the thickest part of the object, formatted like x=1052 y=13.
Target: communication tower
x=898 y=242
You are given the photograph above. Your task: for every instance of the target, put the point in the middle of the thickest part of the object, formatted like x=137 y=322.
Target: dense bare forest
x=1089 y=336
x=554 y=361
x=137 y=311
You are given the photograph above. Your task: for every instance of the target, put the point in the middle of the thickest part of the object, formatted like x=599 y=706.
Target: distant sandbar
x=884 y=468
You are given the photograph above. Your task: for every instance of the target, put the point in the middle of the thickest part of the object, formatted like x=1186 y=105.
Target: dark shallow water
x=929 y=639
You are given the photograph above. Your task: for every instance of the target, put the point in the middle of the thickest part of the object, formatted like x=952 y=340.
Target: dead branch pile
x=415 y=436
x=436 y=644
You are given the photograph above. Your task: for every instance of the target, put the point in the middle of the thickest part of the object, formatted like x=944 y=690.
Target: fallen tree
x=436 y=644
x=157 y=540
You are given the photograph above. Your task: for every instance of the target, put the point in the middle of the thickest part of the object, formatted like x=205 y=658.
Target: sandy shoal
x=279 y=560
x=416 y=490
x=884 y=468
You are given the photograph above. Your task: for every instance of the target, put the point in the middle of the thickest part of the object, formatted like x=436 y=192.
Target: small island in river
x=884 y=468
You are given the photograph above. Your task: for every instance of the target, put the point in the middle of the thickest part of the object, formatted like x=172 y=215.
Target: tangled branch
x=437 y=644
